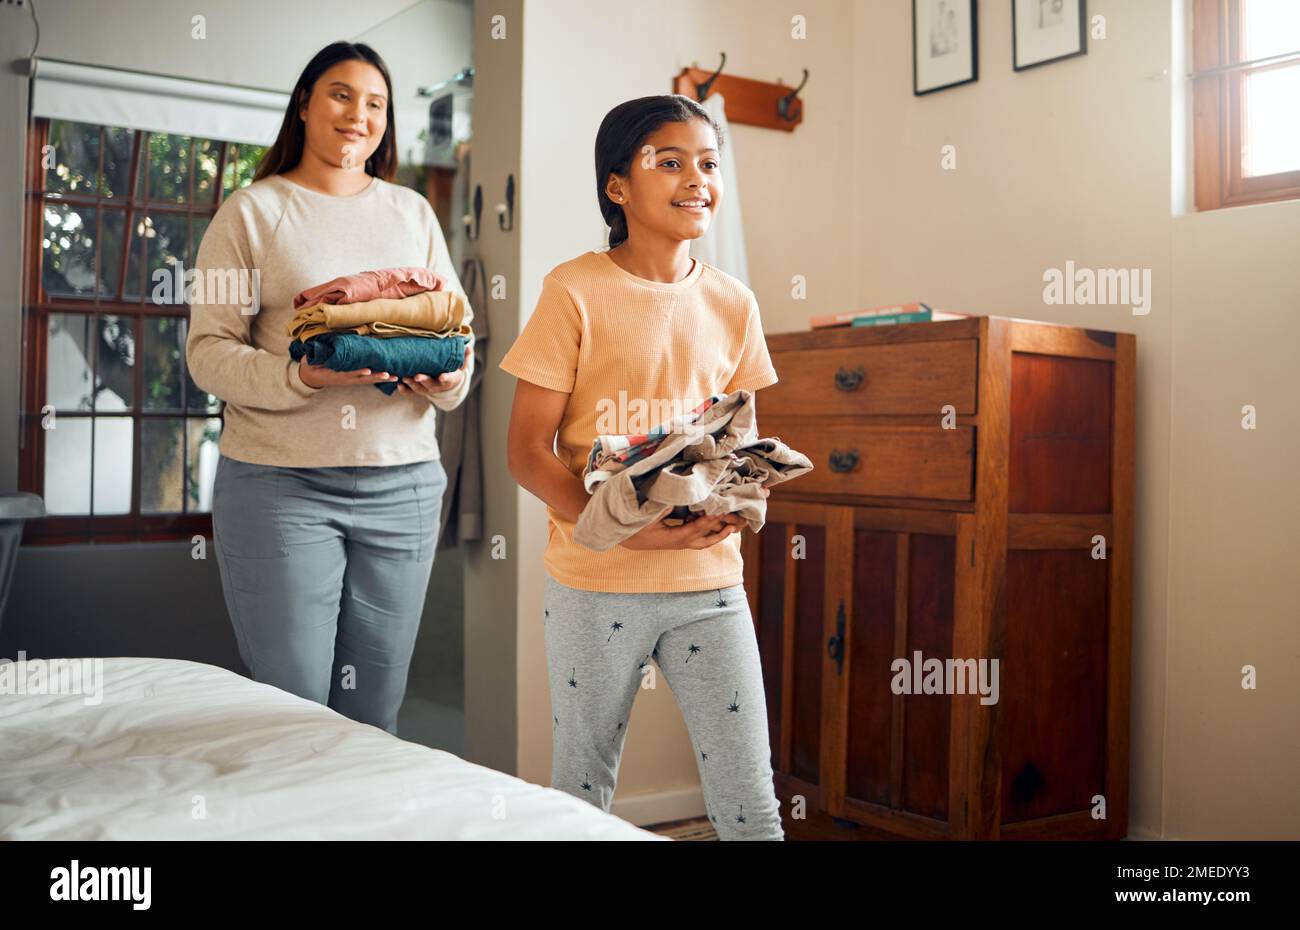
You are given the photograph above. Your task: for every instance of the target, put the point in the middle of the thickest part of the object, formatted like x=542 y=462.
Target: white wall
x=1232 y=759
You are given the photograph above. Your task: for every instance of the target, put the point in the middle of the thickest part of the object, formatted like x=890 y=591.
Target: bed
x=182 y=750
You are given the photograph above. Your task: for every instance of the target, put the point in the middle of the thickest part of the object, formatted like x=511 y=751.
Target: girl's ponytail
x=622 y=132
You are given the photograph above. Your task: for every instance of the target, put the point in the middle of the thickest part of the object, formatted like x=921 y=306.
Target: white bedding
x=171 y=738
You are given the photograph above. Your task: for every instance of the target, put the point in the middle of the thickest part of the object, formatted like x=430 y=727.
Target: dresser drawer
x=904 y=378
x=880 y=461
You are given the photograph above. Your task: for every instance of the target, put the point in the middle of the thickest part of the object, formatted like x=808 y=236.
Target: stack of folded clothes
x=710 y=461
x=398 y=320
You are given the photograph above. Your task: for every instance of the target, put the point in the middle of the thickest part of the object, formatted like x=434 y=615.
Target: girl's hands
x=319 y=376
x=426 y=386
x=700 y=533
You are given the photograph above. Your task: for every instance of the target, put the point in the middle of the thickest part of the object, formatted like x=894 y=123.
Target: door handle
x=835 y=645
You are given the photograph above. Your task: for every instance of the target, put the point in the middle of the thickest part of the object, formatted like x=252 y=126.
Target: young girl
x=328 y=493
x=645 y=319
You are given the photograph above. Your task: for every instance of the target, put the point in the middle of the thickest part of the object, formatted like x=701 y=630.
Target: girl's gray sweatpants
x=599 y=647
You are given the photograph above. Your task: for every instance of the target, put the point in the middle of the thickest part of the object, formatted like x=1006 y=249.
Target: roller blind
x=110 y=97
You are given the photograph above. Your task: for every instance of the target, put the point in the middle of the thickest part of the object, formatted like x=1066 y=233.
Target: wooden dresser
x=968 y=474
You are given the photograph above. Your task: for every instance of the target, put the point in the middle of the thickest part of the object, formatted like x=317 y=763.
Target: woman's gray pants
x=324 y=572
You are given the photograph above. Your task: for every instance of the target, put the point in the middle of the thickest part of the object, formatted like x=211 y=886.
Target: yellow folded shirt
x=381 y=329
x=432 y=313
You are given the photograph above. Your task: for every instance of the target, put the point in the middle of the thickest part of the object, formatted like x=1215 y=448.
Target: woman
x=327 y=495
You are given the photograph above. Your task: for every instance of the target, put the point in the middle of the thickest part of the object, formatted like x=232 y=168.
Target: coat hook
x=471 y=220
x=702 y=90
x=506 y=211
x=784 y=105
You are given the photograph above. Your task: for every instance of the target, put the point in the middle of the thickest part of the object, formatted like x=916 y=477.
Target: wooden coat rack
x=754 y=103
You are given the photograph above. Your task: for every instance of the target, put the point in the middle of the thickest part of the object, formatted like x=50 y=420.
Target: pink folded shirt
x=369 y=285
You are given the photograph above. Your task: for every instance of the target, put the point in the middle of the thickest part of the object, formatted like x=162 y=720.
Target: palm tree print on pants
x=734 y=706
x=740 y=818
x=722 y=602
x=693 y=651
x=586 y=781
x=613 y=628
x=573 y=679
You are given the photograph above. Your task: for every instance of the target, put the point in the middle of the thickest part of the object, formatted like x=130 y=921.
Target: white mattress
x=171 y=737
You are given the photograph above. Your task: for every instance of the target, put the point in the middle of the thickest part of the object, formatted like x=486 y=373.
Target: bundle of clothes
x=709 y=461
x=398 y=320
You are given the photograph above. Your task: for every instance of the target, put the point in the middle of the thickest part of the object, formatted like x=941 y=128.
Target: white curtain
x=110 y=97
x=723 y=246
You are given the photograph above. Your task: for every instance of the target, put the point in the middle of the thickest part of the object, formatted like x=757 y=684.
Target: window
x=1246 y=63
x=115 y=436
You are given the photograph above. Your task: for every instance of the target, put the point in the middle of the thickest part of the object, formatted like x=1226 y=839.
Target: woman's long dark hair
x=286 y=153
x=620 y=137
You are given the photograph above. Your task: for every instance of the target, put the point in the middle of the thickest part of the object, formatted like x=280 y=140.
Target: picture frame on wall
x=1043 y=31
x=945 y=44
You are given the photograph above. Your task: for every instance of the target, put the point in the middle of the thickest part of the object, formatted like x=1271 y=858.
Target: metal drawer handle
x=835 y=645
x=843 y=460
x=849 y=379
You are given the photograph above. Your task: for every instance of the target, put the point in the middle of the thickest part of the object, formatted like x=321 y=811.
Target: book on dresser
x=914 y=312
x=972 y=503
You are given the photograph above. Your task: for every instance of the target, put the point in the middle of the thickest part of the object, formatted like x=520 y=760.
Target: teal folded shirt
x=403 y=356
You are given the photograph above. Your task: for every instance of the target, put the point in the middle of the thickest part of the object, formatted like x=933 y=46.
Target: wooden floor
x=818 y=826
x=696 y=829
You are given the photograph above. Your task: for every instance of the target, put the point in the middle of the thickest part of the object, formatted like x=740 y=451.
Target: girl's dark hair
x=287 y=150
x=620 y=137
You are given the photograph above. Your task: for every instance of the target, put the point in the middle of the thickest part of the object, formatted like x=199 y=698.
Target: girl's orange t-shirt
x=631 y=353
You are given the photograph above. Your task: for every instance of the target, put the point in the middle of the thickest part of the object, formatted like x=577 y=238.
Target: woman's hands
x=427 y=386
x=319 y=376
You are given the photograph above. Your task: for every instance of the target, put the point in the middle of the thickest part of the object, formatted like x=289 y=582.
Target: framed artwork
x=944 y=44
x=1047 y=30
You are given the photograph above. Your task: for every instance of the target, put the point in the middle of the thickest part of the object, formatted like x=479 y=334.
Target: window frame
x=134 y=526
x=1217 y=114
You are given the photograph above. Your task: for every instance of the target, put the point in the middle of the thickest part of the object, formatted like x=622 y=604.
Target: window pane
x=169 y=168
x=67 y=466
x=1271 y=121
x=202 y=437
x=113 y=459
x=161 y=465
x=241 y=165
x=163 y=351
x=116 y=181
x=69 y=372
x=1269 y=27
x=158 y=241
x=198 y=226
x=207 y=156
x=68 y=246
x=112 y=235
x=115 y=373
x=74 y=162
